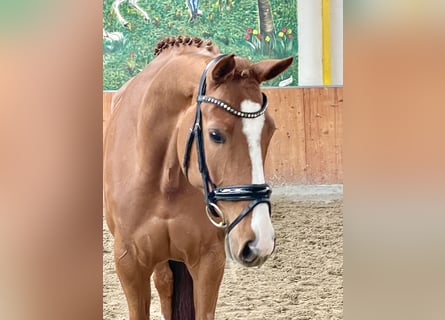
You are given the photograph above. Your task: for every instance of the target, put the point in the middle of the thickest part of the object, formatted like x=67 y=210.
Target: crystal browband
x=232 y=110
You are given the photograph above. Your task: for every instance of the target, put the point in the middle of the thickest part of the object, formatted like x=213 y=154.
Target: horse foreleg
x=163 y=279
x=135 y=5
x=135 y=280
x=115 y=6
x=207 y=277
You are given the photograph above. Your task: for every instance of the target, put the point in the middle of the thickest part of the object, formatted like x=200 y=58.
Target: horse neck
x=166 y=101
x=169 y=86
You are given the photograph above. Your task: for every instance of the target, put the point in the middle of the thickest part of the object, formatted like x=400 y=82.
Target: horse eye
x=216 y=136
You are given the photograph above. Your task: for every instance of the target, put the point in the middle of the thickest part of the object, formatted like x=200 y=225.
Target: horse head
x=232 y=131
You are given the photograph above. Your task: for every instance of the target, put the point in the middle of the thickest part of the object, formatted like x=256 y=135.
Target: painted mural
x=255 y=29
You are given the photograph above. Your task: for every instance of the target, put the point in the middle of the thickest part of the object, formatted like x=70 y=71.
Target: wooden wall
x=307 y=145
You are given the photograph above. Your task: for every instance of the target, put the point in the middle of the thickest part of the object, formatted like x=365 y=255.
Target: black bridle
x=256 y=193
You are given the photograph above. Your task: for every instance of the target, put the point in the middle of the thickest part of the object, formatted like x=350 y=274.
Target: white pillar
x=310 y=68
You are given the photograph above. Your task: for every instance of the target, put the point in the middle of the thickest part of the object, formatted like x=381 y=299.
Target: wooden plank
x=286 y=158
x=337 y=104
x=323 y=128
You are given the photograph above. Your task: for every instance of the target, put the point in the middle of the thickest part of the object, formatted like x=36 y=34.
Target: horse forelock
x=179 y=42
x=243 y=69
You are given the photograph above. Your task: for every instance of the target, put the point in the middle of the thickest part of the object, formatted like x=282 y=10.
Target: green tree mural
x=254 y=29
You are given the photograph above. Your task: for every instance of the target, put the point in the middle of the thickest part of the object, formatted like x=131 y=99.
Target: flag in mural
x=255 y=29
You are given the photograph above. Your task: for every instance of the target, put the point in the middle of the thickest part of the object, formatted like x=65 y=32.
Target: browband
x=228 y=108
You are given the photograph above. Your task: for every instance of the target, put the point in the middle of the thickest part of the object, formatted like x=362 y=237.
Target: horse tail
x=183 y=307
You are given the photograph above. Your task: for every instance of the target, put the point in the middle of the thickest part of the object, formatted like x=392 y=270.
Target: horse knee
x=126 y=262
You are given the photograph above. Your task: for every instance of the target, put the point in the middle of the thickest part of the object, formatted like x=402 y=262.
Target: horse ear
x=224 y=68
x=269 y=69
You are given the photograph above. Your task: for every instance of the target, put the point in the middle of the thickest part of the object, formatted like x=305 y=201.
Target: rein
x=256 y=193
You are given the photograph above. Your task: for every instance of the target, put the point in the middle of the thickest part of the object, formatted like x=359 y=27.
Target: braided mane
x=183 y=41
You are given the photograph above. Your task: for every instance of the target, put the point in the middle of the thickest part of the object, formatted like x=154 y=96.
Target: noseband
x=256 y=193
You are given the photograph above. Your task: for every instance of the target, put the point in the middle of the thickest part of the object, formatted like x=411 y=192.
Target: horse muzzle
x=250 y=256
x=247 y=255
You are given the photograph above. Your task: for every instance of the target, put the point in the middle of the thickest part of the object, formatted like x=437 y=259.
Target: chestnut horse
x=183 y=175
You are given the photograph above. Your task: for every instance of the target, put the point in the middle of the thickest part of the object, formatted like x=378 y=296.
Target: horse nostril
x=248 y=255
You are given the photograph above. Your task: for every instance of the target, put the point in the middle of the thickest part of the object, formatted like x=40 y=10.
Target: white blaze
x=261 y=224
